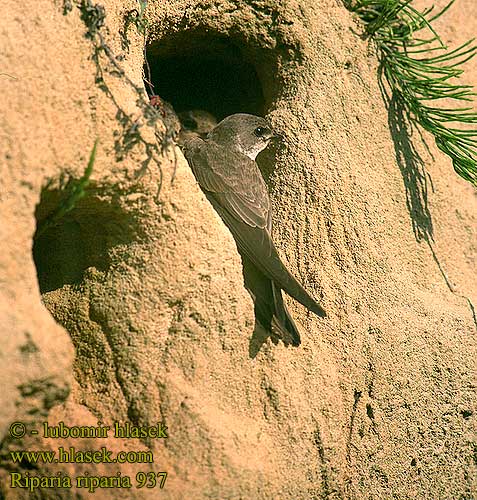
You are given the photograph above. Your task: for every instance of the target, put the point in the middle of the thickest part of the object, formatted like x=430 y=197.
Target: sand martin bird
x=195 y=123
x=225 y=168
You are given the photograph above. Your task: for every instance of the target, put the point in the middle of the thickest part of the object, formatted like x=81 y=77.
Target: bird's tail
x=270 y=310
x=255 y=244
x=282 y=322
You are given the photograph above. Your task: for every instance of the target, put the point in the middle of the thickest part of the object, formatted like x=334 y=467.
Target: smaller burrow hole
x=83 y=238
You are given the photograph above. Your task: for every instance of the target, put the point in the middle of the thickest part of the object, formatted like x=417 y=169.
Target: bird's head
x=248 y=134
x=195 y=123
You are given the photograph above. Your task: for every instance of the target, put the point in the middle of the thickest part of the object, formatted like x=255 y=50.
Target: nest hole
x=64 y=248
x=200 y=70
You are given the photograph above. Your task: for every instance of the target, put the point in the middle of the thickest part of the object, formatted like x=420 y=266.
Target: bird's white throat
x=252 y=151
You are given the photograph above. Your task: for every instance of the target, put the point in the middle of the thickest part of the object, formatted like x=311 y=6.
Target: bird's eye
x=189 y=123
x=261 y=131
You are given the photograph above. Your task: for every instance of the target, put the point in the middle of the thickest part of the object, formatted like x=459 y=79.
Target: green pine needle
x=419 y=71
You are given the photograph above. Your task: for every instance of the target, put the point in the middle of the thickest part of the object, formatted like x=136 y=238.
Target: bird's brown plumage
x=235 y=187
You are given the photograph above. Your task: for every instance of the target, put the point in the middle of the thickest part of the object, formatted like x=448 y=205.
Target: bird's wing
x=237 y=191
x=234 y=180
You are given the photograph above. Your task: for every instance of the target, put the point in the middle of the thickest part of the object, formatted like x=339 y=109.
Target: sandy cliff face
x=131 y=307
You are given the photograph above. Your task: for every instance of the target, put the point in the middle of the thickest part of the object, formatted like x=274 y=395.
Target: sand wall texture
x=131 y=306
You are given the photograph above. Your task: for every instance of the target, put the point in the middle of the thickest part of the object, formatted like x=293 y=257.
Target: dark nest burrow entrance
x=201 y=70
x=195 y=70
